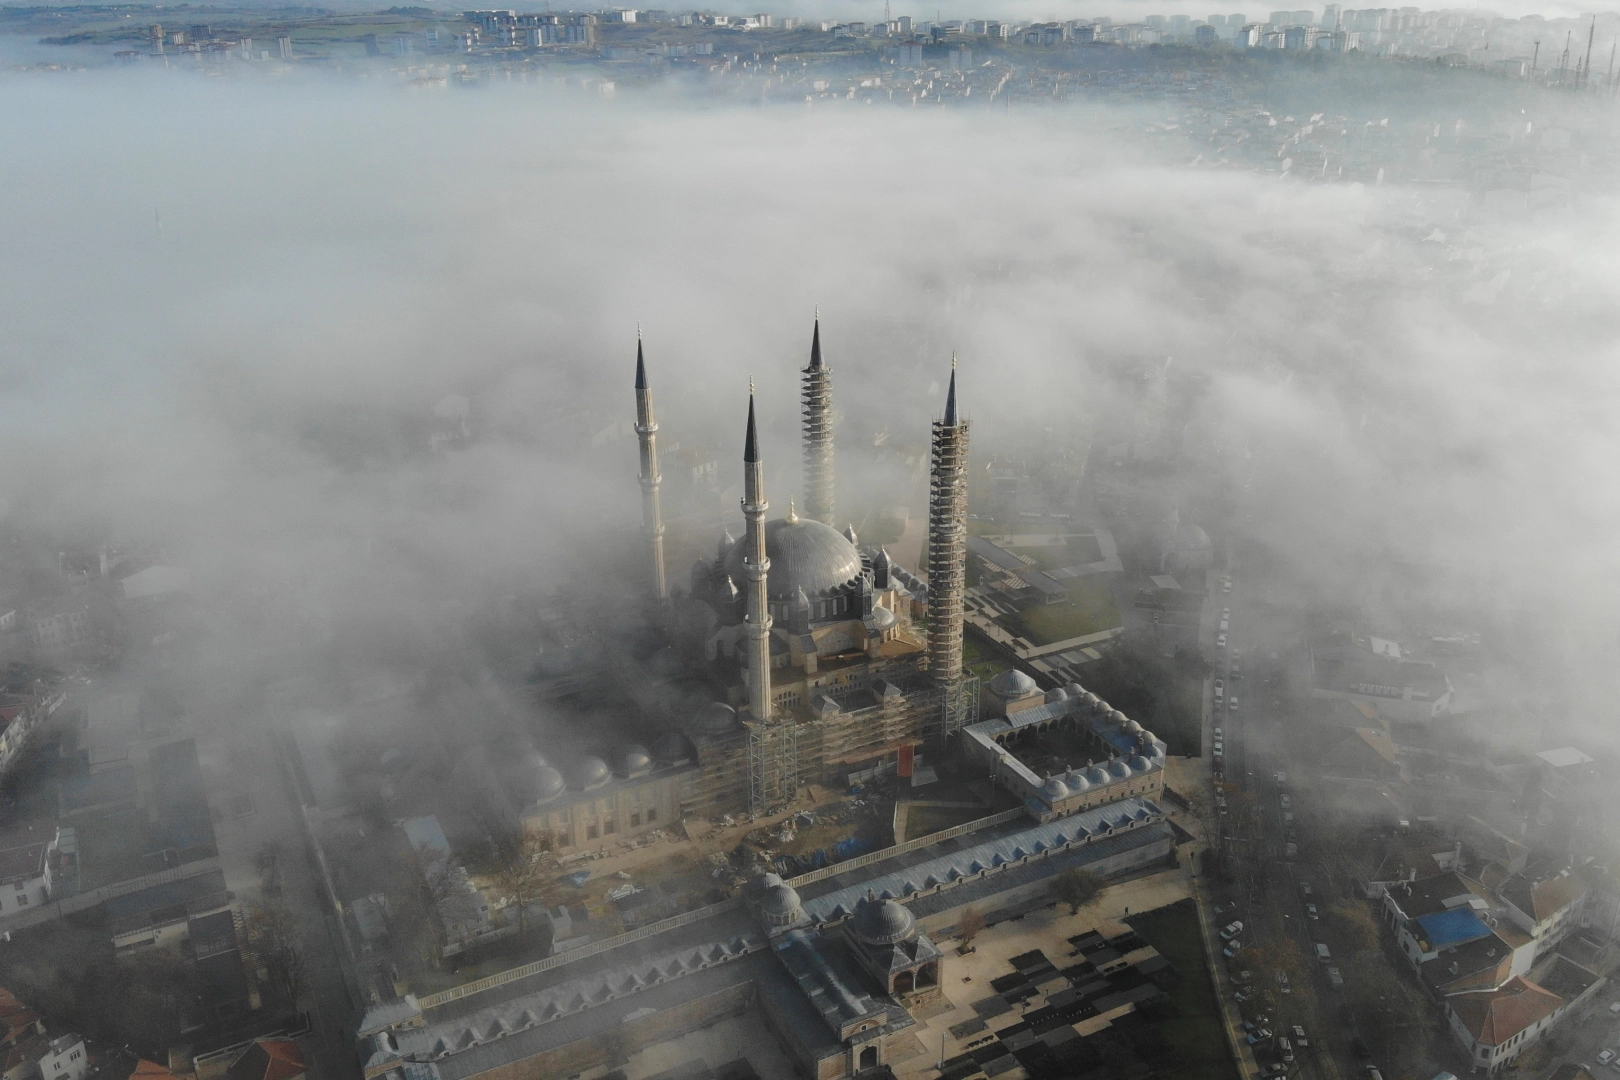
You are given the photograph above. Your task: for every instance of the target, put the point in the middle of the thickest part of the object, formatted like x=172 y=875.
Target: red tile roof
x=1496 y=1016
x=269 y=1059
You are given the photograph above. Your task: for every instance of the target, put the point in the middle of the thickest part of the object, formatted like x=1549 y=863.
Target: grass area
x=1198 y=1045
x=1090 y=609
x=921 y=820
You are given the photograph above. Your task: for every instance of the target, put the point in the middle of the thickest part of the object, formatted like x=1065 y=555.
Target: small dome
x=1076 y=691
x=593 y=772
x=635 y=760
x=672 y=748
x=1117 y=717
x=1055 y=789
x=882 y=922
x=1156 y=752
x=1140 y=765
x=780 y=901
x=548 y=784
x=715 y=718
x=1058 y=694
x=1119 y=769
x=768 y=880
x=1076 y=782
x=1099 y=707
x=1097 y=775
x=1012 y=683
x=1132 y=727
x=883 y=617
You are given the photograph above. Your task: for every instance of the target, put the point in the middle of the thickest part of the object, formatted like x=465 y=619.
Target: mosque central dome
x=804 y=554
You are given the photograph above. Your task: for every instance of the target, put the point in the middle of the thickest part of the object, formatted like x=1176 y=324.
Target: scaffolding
x=773 y=765
x=947 y=549
x=959 y=704
x=818 y=442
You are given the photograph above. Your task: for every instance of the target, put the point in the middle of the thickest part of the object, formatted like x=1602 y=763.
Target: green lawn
x=1199 y=1047
x=1090 y=609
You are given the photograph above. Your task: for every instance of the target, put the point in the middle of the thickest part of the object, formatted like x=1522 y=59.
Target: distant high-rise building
x=402 y=44
x=1181 y=25
x=370 y=42
x=1206 y=35
x=284 y=47
x=1216 y=20
x=1331 y=17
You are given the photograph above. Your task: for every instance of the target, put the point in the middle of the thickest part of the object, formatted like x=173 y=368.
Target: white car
x=1220 y=684
x=1614 y=1009
x=1218 y=731
x=1220 y=641
x=1232 y=930
x=1287 y=803
x=1231 y=703
x=1226 y=586
x=1605 y=1056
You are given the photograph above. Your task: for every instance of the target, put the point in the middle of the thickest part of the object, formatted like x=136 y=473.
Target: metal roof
x=804 y=554
x=989 y=856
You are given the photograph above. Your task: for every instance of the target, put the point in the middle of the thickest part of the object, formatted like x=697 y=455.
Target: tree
x=522 y=867
x=973 y=921
x=1078 y=888
x=274 y=937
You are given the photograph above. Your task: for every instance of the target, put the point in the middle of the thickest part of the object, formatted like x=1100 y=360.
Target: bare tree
x=1078 y=888
x=523 y=867
x=275 y=940
x=972 y=922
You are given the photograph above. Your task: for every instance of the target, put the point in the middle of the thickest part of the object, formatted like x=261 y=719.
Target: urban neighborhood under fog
x=1001 y=542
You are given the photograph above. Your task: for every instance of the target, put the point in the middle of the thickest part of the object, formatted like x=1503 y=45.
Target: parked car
x=1281 y=978
x=1285 y=1049
x=1614 y=1009
x=1232 y=930
x=1310 y=912
x=1232 y=949
x=1305 y=888
x=1322 y=953
x=1231 y=703
x=1605 y=1056
x=1226 y=585
x=1287 y=803
x=1335 y=979
x=1220 y=684
x=1299 y=1037
x=1259 y=1036
x=1218 y=732
x=1220 y=641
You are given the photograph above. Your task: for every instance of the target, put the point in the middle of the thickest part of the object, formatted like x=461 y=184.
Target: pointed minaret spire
x=751 y=440
x=756 y=571
x=816 y=399
x=652 y=518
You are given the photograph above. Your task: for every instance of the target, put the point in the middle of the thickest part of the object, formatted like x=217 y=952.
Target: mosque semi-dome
x=635 y=760
x=715 y=718
x=804 y=554
x=672 y=748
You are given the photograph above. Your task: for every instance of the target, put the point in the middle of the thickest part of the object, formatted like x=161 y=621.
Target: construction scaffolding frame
x=959 y=704
x=773 y=765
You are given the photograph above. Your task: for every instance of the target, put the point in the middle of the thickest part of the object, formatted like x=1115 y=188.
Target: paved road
x=1273 y=910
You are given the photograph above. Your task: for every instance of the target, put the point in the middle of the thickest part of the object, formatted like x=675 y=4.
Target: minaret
x=652 y=518
x=818 y=434
x=756 y=613
x=947 y=542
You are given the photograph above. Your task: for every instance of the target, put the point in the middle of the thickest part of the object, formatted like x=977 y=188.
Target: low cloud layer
x=231 y=310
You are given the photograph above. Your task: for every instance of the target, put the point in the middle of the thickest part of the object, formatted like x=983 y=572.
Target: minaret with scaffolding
x=947 y=562
x=816 y=393
x=652 y=518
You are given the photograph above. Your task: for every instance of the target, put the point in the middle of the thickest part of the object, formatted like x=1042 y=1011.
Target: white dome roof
x=1055 y=789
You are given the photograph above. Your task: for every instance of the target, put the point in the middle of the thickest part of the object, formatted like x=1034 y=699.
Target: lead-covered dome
x=593 y=772
x=882 y=922
x=635 y=760
x=1012 y=683
x=1097 y=775
x=715 y=718
x=1120 y=769
x=1055 y=789
x=805 y=554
